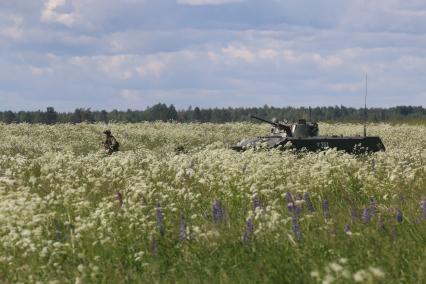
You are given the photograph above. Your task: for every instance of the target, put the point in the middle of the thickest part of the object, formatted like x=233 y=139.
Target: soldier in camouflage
x=111 y=144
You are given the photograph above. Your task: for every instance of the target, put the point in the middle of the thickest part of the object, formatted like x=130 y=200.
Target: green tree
x=9 y=116
x=197 y=114
x=25 y=116
x=173 y=115
x=103 y=116
x=51 y=116
x=77 y=116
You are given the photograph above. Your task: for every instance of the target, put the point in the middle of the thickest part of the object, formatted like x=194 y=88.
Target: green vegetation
x=162 y=112
x=69 y=213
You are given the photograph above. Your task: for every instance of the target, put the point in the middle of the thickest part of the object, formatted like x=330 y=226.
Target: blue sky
x=210 y=53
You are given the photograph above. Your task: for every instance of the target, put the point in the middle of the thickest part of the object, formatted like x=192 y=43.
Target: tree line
x=163 y=112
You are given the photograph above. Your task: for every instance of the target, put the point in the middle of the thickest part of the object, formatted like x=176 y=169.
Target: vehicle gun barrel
x=264 y=120
x=278 y=125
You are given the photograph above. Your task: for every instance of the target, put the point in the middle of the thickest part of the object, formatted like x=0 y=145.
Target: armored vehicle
x=303 y=135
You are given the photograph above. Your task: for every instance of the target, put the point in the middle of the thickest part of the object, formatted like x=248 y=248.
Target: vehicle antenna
x=365 y=107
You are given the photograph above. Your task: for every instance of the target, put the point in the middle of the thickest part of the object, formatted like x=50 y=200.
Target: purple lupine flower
x=218 y=212
x=296 y=228
x=308 y=202
x=347 y=229
x=182 y=229
x=257 y=203
x=366 y=215
x=119 y=198
x=399 y=216
x=250 y=226
x=326 y=208
x=424 y=208
x=160 y=219
x=297 y=210
x=249 y=230
x=372 y=206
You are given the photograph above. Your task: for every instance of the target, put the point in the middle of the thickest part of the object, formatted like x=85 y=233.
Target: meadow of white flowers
x=71 y=213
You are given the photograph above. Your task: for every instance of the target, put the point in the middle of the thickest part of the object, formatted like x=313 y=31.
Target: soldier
x=111 y=144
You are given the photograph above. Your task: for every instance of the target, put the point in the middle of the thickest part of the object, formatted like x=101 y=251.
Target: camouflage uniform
x=111 y=144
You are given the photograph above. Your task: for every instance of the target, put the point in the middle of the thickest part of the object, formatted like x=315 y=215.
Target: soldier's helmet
x=107 y=132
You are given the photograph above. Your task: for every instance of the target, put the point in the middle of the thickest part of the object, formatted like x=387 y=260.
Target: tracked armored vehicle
x=303 y=135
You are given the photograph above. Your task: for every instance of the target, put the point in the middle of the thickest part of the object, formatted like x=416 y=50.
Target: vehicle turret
x=280 y=127
x=299 y=129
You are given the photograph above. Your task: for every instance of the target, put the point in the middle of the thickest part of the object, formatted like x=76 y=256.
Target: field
x=71 y=214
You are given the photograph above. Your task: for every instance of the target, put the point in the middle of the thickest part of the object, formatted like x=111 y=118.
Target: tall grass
x=71 y=213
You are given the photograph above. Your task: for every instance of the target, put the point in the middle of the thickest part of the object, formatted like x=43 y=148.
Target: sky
x=130 y=54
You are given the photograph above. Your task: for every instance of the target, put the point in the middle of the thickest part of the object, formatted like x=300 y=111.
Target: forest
x=164 y=112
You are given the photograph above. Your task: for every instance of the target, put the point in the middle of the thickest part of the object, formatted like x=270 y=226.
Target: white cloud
x=243 y=53
x=50 y=14
x=291 y=56
x=262 y=54
x=326 y=61
x=113 y=66
x=151 y=68
x=124 y=66
x=40 y=71
x=11 y=26
x=207 y=2
x=268 y=54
